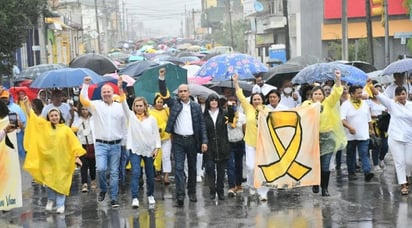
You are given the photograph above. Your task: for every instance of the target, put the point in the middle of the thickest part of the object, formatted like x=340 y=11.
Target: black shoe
x=115 y=204
x=352 y=177
x=221 y=196
x=101 y=196
x=325 y=192
x=179 y=203
x=338 y=172
x=315 y=188
x=192 y=198
x=368 y=177
x=212 y=196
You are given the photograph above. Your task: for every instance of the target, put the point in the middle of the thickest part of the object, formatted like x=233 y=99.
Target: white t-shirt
x=357 y=118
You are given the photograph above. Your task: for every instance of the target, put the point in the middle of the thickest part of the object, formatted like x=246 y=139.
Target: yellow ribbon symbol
x=286 y=163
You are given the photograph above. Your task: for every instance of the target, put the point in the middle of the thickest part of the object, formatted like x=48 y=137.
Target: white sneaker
x=135 y=203
x=60 y=210
x=199 y=179
x=382 y=164
x=252 y=191
x=49 y=205
x=151 y=200
x=263 y=198
x=377 y=168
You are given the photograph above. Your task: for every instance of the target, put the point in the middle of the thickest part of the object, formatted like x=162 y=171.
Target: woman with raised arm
x=331 y=133
x=51 y=154
x=143 y=141
x=251 y=110
x=399 y=133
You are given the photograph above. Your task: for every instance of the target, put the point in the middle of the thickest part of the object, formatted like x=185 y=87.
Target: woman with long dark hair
x=218 y=147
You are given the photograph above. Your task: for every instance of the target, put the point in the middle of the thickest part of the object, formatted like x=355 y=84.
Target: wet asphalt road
x=352 y=204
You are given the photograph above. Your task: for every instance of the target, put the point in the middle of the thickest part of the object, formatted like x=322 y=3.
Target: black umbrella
x=278 y=74
x=293 y=65
x=365 y=66
x=98 y=63
x=246 y=86
x=136 y=69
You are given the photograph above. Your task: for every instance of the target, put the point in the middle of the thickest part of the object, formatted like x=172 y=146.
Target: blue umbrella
x=221 y=67
x=65 y=78
x=321 y=72
x=400 y=66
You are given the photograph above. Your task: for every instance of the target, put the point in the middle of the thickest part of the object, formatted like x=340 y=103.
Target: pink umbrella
x=126 y=78
x=199 y=80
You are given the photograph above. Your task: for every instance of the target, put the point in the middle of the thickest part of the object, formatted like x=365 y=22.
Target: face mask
x=287 y=90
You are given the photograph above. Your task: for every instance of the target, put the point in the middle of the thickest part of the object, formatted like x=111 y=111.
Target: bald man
x=109 y=121
x=188 y=129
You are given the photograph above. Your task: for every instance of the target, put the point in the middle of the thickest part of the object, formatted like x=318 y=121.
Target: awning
x=55 y=26
x=357 y=30
x=55 y=23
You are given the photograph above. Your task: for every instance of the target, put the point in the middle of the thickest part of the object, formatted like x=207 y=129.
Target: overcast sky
x=161 y=17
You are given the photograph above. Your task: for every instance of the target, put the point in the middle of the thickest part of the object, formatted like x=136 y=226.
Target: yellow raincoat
x=161 y=117
x=51 y=153
x=330 y=121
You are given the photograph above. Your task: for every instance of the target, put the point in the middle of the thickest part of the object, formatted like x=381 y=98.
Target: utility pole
x=369 y=32
x=97 y=27
x=385 y=6
x=123 y=22
x=193 y=21
x=287 y=38
x=345 y=30
x=229 y=9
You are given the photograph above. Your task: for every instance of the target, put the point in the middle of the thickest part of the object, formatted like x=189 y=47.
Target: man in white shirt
x=260 y=86
x=109 y=121
x=289 y=97
x=57 y=102
x=399 y=81
x=188 y=129
x=356 y=118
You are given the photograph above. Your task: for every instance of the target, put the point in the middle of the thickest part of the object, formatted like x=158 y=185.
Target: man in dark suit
x=187 y=126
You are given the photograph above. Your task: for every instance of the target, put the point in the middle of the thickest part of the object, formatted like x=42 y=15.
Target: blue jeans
x=325 y=162
x=20 y=147
x=56 y=197
x=338 y=159
x=235 y=164
x=124 y=159
x=384 y=148
x=135 y=160
x=182 y=147
x=362 y=146
x=380 y=152
x=108 y=157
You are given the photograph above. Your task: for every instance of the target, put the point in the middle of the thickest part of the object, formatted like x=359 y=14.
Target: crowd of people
x=103 y=136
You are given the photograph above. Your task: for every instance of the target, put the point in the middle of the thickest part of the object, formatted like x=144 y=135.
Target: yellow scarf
x=356 y=103
x=140 y=116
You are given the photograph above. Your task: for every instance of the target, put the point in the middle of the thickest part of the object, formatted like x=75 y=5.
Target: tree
x=357 y=50
x=16 y=17
x=222 y=35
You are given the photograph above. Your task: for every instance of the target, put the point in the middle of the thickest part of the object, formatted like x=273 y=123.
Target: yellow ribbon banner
x=10 y=178
x=287 y=151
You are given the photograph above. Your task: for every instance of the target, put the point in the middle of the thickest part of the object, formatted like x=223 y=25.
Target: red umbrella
x=30 y=92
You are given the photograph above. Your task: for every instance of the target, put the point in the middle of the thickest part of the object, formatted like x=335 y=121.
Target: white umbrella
x=378 y=76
